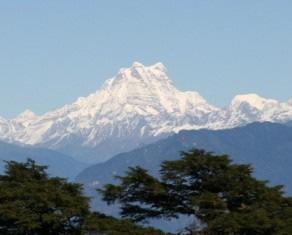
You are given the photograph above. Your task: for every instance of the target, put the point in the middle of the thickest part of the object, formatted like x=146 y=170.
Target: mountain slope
x=249 y=108
x=137 y=106
x=59 y=164
x=267 y=146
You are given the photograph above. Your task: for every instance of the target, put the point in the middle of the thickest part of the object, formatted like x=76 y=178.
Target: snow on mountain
x=4 y=127
x=252 y=100
x=248 y=108
x=25 y=118
x=137 y=106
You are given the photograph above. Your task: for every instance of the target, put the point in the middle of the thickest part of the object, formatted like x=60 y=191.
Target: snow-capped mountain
x=249 y=108
x=25 y=118
x=4 y=127
x=137 y=106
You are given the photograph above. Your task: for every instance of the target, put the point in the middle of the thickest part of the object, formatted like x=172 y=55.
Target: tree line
x=224 y=197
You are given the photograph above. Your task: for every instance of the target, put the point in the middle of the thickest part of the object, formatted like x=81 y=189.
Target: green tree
x=224 y=196
x=102 y=224
x=33 y=203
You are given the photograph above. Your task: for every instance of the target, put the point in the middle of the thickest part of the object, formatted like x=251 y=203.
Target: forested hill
x=267 y=146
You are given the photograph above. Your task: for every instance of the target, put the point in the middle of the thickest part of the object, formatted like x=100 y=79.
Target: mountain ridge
x=137 y=106
x=266 y=146
x=59 y=164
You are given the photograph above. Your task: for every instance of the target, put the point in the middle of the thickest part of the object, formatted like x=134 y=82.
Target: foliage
x=224 y=196
x=102 y=224
x=33 y=203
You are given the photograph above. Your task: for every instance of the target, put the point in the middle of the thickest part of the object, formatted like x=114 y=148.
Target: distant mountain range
x=138 y=106
x=267 y=146
x=59 y=164
x=139 y=117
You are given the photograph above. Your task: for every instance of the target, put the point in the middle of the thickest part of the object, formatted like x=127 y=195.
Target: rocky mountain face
x=138 y=106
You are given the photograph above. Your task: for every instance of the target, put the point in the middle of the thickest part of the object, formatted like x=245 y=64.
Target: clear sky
x=52 y=52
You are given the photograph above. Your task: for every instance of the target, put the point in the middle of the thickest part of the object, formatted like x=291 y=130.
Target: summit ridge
x=137 y=106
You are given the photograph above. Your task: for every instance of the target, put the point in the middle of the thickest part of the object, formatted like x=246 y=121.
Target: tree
x=101 y=224
x=33 y=203
x=224 y=196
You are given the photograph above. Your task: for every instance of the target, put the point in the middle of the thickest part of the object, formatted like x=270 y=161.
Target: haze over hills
x=266 y=146
x=58 y=164
x=137 y=106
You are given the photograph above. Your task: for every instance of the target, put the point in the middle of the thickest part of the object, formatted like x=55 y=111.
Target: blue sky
x=52 y=52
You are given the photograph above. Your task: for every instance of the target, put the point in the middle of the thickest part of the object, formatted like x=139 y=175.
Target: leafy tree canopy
x=32 y=203
x=102 y=224
x=224 y=196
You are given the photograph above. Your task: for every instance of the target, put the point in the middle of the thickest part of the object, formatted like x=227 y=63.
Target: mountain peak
x=26 y=117
x=159 y=66
x=253 y=100
x=27 y=114
x=137 y=64
x=139 y=104
x=139 y=74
